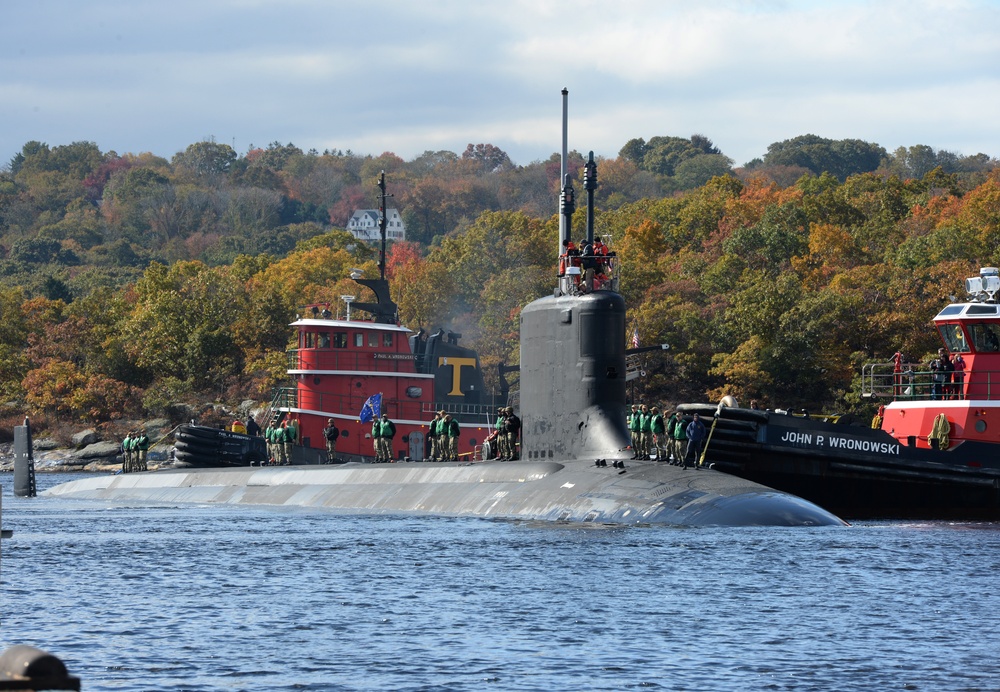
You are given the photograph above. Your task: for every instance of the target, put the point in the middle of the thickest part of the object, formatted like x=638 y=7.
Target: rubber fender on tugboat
x=206 y=433
x=217 y=443
x=196 y=447
x=195 y=450
x=747 y=414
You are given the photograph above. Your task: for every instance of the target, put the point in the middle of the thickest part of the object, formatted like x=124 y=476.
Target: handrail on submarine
x=646 y=349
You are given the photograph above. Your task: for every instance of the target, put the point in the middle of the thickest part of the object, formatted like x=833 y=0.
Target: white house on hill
x=364 y=225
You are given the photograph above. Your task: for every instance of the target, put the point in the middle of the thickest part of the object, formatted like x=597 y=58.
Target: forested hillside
x=128 y=282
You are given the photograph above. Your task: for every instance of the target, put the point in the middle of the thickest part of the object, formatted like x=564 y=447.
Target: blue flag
x=372 y=408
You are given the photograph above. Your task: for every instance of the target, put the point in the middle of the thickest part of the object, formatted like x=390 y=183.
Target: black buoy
x=25 y=667
x=24 y=462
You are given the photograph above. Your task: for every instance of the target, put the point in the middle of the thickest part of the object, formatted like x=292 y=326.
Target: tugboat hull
x=199 y=446
x=854 y=471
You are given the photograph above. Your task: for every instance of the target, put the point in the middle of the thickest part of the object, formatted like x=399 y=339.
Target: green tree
x=206 y=159
x=840 y=158
x=698 y=170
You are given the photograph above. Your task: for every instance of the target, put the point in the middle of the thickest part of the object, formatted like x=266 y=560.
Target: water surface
x=252 y=598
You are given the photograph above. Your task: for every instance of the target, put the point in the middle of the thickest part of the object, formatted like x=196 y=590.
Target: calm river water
x=238 y=598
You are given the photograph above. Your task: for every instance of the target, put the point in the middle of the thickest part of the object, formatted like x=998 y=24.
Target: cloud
x=407 y=77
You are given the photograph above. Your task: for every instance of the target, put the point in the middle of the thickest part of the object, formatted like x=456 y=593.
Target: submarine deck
x=572 y=491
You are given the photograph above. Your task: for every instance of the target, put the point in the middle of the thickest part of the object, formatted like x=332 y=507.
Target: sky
x=409 y=76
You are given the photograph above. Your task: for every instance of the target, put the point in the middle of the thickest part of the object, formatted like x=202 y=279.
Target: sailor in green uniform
x=658 y=430
x=387 y=431
x=672 y=454
x=376 y=437
x=141 y=447
x=280 y=457
x=646 y=432
x=635 y=428
x=269 y=439
x=680 y=440
x=453 y=433
x=442 y=435
x=290 y=438
x=500 y=441
x=127 y=453
x=432 y=436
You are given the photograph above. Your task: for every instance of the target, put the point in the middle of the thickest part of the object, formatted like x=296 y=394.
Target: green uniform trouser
x=385 y=447
x=510 y=440
x=660 y=441
x=680 y=448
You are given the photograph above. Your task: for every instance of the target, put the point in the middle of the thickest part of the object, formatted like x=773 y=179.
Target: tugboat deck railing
x=917 y=382
x=290 y=398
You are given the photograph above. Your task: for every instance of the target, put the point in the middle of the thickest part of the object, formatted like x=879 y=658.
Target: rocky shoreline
x=90 y=453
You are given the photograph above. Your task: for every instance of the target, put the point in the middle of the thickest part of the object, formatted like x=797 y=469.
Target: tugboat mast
x=381 y=223
x=383 y=309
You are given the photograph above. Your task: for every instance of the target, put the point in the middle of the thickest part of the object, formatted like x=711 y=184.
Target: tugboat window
x=324 y=340
x=954 y=338
x=373 y=340
x=387 y=339
x=985 y=337
x=359 y=339
x=310 y=340
x=951 y=310
x=340 y=339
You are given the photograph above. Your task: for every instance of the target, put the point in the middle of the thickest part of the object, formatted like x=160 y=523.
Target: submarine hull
x=570 y=491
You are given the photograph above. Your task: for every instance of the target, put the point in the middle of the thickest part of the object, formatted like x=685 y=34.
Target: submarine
x=575 y=462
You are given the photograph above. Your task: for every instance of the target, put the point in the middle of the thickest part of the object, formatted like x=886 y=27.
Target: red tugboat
x=933 y=450
x=351 y=370
x=341 y=365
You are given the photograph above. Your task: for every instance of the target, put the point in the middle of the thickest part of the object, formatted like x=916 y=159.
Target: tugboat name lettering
x=808 y=440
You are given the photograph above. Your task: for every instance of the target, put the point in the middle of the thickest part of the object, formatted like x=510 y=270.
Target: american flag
x=635 y=338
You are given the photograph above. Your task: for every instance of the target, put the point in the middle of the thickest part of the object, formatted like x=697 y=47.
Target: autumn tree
x=206 y=158
x=488 y=158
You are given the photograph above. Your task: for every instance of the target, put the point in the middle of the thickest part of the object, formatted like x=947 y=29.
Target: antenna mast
x=563 y=229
